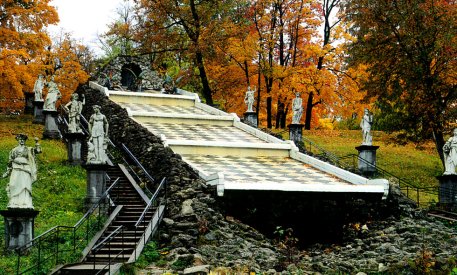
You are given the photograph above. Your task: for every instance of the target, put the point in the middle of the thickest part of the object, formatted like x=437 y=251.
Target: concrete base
x=19 y=226
x=448 y=189
x=51 y=130
x=250 y=118
x=96 y=183
x=38 y=117
x=74 y=147
x=367 y=153
x=296 y=133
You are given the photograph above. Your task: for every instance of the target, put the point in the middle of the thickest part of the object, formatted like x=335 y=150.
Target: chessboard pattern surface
x=166 y=109
x=258 y=169
x=202 y=132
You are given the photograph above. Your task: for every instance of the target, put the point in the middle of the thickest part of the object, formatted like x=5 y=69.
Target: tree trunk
x=269 y=124
x=309 y=109
x=207 y=94
x=439 y=143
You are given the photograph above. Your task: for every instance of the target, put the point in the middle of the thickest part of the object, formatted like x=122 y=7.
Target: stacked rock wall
x=194 y=227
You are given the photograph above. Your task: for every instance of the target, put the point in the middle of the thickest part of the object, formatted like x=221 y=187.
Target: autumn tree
x=186 y=28
x=120 y=37
x=409 y=48
x=327 y=12
x=64 y=61
x=22 y=40
x=285 y=29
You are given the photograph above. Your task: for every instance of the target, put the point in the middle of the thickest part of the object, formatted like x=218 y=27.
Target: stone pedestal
x=74 y=147
x=250 y=118
x=367 y=159
x=96 y=182
x=29 y=98
x=38 y=117
x=448 y=189
x=19 y=226
x=51 y=130
x=296 y=133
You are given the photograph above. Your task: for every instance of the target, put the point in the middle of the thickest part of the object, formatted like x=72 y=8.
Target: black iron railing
x=63 y=244
x=142 y=222
x=106 y=243
x=422 y=196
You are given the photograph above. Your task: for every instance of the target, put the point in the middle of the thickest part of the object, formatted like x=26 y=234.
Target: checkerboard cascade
x=201 y=132
x=165 y=109
x=234 y=156
x=258 y=169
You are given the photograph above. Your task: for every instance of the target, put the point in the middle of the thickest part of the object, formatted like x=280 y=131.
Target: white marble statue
x=365 y=124
x=74 y=113
x=249 y=99
x=450 y=155
x=297 y=109
x=38 y=88
x=23 y=172
x=98 y=129
x=52 y=96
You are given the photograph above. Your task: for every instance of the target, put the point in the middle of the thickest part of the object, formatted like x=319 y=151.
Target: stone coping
x=353 y=182
x=184 y=116
x=150 y=95
x=272 y=146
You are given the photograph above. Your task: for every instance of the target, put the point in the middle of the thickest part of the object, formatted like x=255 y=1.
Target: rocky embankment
x=200 y=236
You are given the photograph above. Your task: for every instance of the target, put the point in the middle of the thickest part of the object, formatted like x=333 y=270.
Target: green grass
x=418 y=165
x=59 y=190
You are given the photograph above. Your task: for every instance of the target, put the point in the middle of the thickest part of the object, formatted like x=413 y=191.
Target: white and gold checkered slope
x=233 y=155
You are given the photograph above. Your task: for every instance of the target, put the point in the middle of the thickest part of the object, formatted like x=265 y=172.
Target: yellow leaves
x=22 y=40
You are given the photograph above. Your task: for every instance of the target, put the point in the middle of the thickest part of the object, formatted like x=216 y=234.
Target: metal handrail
x=55 y=230
x=137 y=162
x=153 y=198
x=106 y=239
x=95 y=205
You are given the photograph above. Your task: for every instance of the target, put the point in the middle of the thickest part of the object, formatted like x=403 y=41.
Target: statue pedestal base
x=38 y=117
x=19 y=226
x=96 y=183
x=367 y=159
x=74 y=147
x=250 y=118
x=448 y=189
x=51 y=130
x=296 y=133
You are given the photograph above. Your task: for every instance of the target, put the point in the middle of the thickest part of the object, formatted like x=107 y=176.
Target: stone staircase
x=232 y=155
x=122 y=238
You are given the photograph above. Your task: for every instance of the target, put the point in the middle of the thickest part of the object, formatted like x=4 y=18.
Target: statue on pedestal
x=52 y=96
x=98 y=130
x=23 y=171
x=365 y=124
x=450 y=155
x=297 y=109
x=249 y=99
x=38 y=88
x=74 y=113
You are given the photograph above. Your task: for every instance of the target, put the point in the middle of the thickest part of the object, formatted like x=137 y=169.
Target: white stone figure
x=365 y=124
x=297 y=109
x=450 y=155
x=22 y=168
x=74 y=113
x=249 y=99
x=52 y=96
x=38 y=88
x=98 y=129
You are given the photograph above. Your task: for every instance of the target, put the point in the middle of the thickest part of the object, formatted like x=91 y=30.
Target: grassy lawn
x=60 y=189
x=418 y=165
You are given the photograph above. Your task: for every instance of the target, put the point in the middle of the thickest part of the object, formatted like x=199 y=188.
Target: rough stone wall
x=390 y=237
x=194 y=227
x=150 y=78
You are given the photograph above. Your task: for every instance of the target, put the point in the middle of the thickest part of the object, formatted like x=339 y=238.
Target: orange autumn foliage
x=22 y=40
